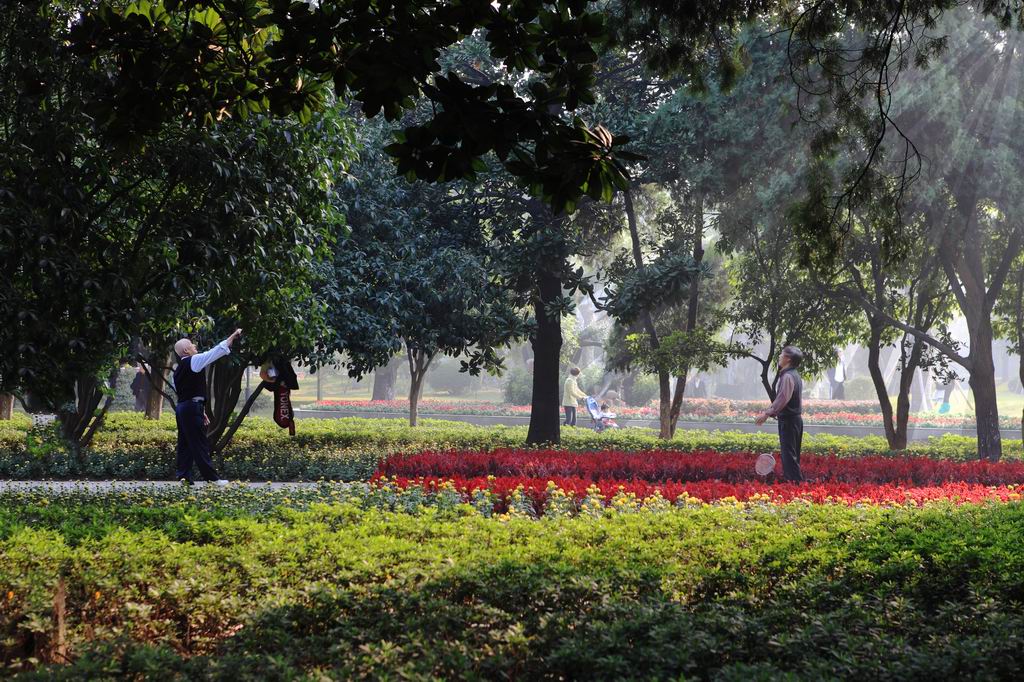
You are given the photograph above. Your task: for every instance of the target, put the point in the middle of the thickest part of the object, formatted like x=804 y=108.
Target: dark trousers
x=791 y=435
x=193 y=445
x=570 y=415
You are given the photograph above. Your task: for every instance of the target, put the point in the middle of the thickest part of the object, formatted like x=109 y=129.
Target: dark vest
x=187 y=383
x=795 y=405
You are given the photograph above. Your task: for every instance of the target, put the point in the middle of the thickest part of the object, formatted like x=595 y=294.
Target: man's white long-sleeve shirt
x=201 y=360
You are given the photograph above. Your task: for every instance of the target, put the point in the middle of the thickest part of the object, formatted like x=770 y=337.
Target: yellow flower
x=10 y=596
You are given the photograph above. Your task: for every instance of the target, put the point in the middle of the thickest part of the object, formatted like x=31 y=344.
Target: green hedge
x=130 y=447
x=796 y=592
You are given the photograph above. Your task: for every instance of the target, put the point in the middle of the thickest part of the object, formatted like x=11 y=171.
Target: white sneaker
x=221 y=482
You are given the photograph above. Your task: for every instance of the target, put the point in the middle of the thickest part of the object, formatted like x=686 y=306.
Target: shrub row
x=130 y=447
x=793 y=592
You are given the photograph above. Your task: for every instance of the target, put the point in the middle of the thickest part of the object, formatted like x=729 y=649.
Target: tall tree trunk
x=419 y=362
x=907 y=375
x=385 y=379
x=545 y=420
x=881 y=389
x=691 y=310
x=158 y=386
x=229 y=433
x=79 y=423
x=223 y=389
x=664 y=378
x=1018 y=318
x=983 y=386
x=6 y=405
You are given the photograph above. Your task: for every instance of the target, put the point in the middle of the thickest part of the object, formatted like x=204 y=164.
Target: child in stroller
x=600 y=416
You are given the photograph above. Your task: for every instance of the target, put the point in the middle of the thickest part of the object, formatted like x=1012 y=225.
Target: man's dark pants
x=193 y=445
x=791 y=435
x=570 y=415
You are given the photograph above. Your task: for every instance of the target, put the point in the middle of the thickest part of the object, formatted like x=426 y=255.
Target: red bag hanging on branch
x=280 y=378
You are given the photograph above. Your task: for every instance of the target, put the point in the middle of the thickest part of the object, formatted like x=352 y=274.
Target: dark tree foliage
x=416 y=270
x=845 y=58
x=100 y=248
x=204 y=61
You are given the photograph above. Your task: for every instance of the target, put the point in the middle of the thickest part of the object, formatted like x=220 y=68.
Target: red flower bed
x=537 y=490
x=668 y=466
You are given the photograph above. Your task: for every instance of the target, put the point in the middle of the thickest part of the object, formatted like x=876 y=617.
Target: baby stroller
x=599 y=417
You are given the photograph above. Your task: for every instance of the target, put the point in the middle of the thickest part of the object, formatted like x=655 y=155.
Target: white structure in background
x=41 y=420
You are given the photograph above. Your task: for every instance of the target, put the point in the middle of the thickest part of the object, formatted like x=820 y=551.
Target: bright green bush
x=518 y=388
x=813 y=592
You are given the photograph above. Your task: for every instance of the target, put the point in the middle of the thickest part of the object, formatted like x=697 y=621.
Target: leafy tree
x=272 y=56
x=536 y=249
x=848 y=61
x=101 y=249
x=776 y=303
x=646 y=292
x=415 y=271
x=705 y=144
x=908 y=286
x=969 y=193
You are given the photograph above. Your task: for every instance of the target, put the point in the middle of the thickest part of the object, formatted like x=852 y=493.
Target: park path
x=914 y=433
x=128 y=486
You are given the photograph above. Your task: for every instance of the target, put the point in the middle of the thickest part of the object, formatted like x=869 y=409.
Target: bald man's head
x=184 y=347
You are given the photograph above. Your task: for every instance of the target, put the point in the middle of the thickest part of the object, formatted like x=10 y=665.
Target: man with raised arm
x=190 y=384
x=787 y=408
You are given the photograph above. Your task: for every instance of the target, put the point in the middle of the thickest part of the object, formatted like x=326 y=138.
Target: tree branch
x=946 y=349
x=146 y=369
x=999 y=277
x=225 y=440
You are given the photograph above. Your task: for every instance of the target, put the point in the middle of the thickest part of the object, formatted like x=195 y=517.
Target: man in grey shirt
x=787 y=408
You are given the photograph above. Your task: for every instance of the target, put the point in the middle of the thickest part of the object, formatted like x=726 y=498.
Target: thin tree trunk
x=983 y=386
x=223 y=389
x=1019 y=324
x=157 y=383
x=225 y=440
x=878 y=380
x=677 y=405
x=385 y=379
x=664 y=405
x=97 y=421
x=419 y=362
x=545 y=420
x=664 y=378
x=6 y=406
x=692 y=308
x=907 y=374
x=79 y=424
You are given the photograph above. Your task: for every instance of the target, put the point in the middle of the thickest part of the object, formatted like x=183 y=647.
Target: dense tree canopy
x=101 y=248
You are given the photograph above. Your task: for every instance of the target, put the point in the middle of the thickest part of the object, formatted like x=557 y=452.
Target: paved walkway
x=913 y=433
